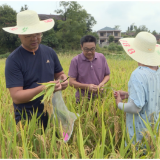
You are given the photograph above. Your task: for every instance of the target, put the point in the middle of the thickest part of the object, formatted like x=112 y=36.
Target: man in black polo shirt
x=30 y=64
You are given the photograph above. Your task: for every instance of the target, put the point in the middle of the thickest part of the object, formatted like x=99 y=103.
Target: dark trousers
x=43 y=119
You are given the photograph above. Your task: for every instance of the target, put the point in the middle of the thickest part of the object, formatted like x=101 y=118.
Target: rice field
x=99 y=131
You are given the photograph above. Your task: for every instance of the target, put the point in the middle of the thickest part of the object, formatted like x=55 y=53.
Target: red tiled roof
x=48 y=16
x=157 y=37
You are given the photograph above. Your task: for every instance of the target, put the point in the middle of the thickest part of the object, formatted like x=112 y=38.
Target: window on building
x=108 y=34
x=115 y=34
x=101 y=34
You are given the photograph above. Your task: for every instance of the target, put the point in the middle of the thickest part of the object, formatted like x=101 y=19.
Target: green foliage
x=4 y=55
x=3 y=50
x=111 y=39
x=119 y=48
x=17 y=43
x=140 y=29
x=119 y=52
x=47 y=92
x=131 y=27
x=125 y=36
x=98 y=48
x=24 y=8
x=66 y=34
x=76 y=22
x=105 y=47
x=117 y=27
x=49 y=38
x=154 y=32
x=90 y=22
x=99 y=132
x=69 y=36
x=135 y=30
x=7 y=19
x=112 y=47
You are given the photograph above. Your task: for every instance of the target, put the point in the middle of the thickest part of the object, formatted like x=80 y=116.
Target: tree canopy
x=24 y=8
x=66 y=34
x=7 y=19
x=75 y=23
x=117 y=27
x=111 y=38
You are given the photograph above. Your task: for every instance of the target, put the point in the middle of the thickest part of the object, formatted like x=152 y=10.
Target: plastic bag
x=64 y=116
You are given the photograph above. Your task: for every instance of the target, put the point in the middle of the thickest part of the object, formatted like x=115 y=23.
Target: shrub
x=3 y=50
x=4 y=55
x=105 y=47
x=112 y=47
x=119 y=48
x=119 y=52
x=111 y=38
x=98 y=49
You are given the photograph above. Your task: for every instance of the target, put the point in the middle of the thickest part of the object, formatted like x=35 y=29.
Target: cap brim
x=146 y=58
x=38 y=28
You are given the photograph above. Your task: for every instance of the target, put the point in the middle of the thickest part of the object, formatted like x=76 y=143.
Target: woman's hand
x=123 y=94
x=100 y=86
x=118 y=99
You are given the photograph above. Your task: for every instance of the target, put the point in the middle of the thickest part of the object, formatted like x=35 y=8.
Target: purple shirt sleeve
x=107 y=70
x=73 y=70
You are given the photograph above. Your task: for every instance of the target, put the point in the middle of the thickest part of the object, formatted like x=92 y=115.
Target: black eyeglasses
x=38 y=35
x=91 y=49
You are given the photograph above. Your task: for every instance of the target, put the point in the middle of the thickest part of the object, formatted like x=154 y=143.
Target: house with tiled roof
x=104 y=34
x=157 y=38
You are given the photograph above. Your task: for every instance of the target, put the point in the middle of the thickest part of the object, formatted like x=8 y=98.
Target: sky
x=106 y=13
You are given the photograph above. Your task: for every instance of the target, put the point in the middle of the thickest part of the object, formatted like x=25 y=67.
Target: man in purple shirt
x=88 y=70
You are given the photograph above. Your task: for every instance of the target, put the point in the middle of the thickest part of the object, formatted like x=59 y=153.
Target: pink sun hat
x=28 y=23
x=143 y=48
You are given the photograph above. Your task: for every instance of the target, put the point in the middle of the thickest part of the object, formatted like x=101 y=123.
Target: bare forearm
x=76 y=84
x=105 y=80
x=24 y=96
x=62 y=77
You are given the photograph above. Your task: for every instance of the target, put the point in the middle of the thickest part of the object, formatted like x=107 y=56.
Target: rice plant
x=99 y=131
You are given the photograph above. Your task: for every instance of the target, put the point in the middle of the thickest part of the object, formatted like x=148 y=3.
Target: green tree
x=131 y=27
x=90 y=22
x=135 y=28
x=24 y=8
x=140 y=29
x=49 y=38
x=154 y=32
x=7 y=19
x=117 y=27
x=111 y=39
x=74 y=24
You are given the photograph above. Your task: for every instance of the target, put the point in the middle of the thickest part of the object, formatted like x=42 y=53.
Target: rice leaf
x=38 y=95
x=48 y=93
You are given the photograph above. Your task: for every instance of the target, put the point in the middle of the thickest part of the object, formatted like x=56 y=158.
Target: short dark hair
x=88 y=38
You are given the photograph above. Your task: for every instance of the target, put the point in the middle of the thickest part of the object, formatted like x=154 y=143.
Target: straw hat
x=142 y=48
x=28 y=23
